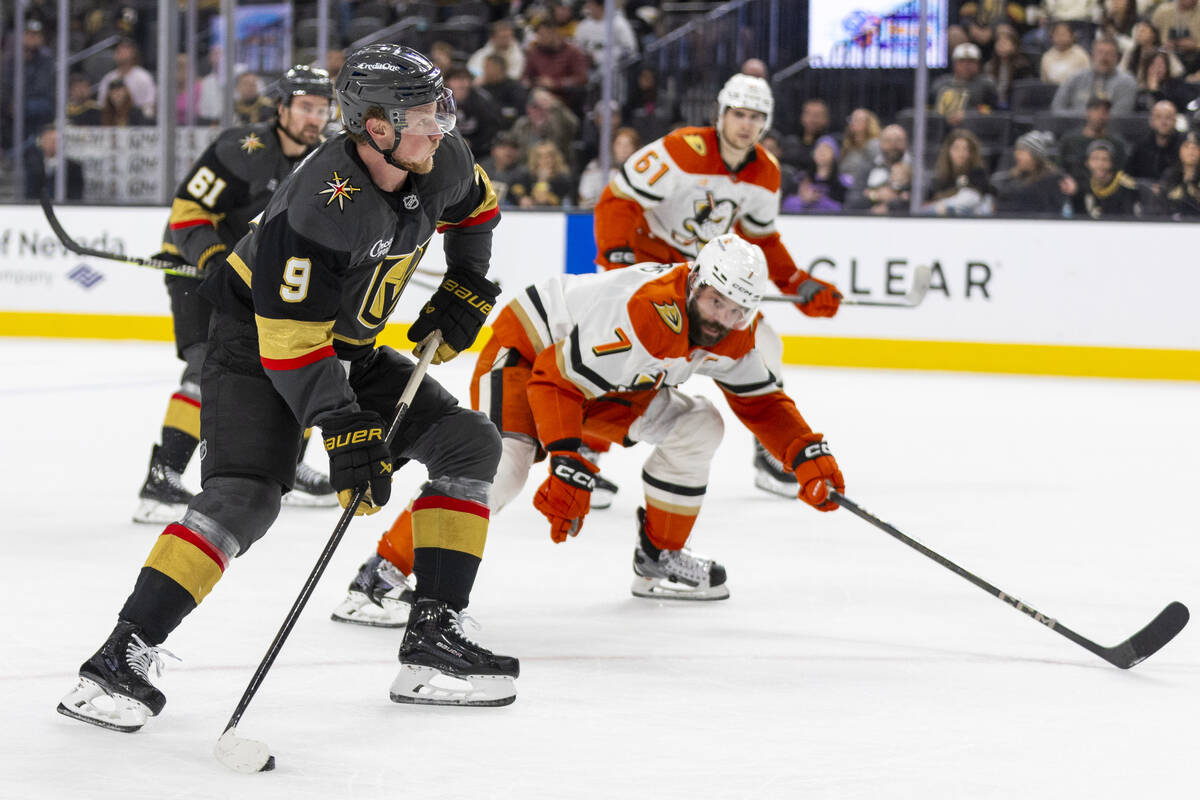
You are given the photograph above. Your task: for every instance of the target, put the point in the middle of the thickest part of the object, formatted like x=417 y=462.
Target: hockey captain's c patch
x=671 y=315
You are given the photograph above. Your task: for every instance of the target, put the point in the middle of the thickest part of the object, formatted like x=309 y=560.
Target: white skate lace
x=307 y=477
x=684 y=564
x=462 y=618
x=142 y=656
x=173 y=478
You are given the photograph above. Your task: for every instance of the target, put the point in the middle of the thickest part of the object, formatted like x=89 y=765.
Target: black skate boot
x=162 y=498
x=118 y=676
x=311 y=489
x=674 y=574
x=380 y=595
x=771 y=476
x=440 y=666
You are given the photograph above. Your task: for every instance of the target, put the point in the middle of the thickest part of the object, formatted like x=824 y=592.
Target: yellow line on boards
x=1019 y=359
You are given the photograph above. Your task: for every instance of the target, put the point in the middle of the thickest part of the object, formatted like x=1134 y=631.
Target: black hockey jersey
x=325 y=266
x=227 y=187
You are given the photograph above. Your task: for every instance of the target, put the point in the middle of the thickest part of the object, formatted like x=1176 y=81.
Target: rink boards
x=1068 y=297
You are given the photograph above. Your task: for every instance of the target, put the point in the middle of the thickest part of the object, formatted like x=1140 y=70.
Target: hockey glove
x=566 y=495
x=814 y=465
x=618 y=257
x=817 y=298
x=458 y=309
x=359 y=458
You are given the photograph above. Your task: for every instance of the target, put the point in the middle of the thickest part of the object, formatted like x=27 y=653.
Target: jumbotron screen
x=874 y=34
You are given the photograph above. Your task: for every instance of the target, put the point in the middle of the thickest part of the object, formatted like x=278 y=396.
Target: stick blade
x=243 y=755
x=1150 y=639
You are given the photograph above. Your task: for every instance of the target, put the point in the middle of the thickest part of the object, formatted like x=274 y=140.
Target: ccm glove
x=458 y=309
x=817 y=298
x=359 y=457
x=814 y=464
x=619 y=257
x=565 y=497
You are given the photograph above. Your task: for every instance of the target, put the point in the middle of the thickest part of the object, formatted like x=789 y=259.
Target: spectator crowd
x=1060 y=108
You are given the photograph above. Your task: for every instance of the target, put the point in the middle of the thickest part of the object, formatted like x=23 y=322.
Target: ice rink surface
x=844 y=665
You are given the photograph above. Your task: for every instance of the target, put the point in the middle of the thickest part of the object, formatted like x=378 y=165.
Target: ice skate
x=605 y=490
x=162 y=498
x=114 y=689
x=440 y=666
x=311 y=489
x=771 y=476
x=380 y=595
x=674 y=574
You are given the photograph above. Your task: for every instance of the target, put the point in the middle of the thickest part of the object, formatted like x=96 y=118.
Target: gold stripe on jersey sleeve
x=337 y=337
x=239 y=267
x=560 y=358
x=184 y=211
x=281 y=339
x=490 y=199
x=531 y=330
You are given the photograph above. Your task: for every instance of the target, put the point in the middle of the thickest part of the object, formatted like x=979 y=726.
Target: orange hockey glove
x=814 y=465
x=818 y=298
x=565 y=497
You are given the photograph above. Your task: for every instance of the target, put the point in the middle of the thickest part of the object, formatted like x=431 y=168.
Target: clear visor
x=431 y=118
x=718 y=308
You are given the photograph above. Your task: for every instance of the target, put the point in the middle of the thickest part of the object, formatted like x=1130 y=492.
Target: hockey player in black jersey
x=226 y=188
x=297 y=307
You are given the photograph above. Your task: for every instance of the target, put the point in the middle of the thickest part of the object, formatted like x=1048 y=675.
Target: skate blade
x=300 y=499
x=663 y=589
x=602 y=499
x=428 y=686
x=154 y=512
x=769 y=483
x=90 y=702
x=356 y=609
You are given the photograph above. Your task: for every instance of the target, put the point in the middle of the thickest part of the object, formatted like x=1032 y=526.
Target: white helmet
x=746 y=91
x=736 y=269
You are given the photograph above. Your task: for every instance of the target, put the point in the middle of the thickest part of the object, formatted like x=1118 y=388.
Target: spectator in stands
x=442 y=54
x=82 y=108
x=1074 y=147
x=964 y=90
x=510 y=94
x=562 y=15
x=814 y=123
x=554 y=63
x=646 y=111
x=187 y=97
x=755 y=67
x=590 y=33
x=40 y=76
x=212 y=86
x=1158 y=148
x=823 y=189
x=1033 y=185
x=41 y=162
x=503 y=165
x=1117 y=21
x=249 y=105
x=478 y=114
x=983 y=19
x=138 y=82
x=1065 y=59
x=960 y=185
x=1102 y=80
x=1158 y=82
x=872 y=183
x=593 y=180
x=1178 y=23
x=545 y=118
x=546 y=179
x=772 y=142
x=118 y=109
x=502 y=42
x=893 y=197
x=1007 y=64
x=1108 y=192
x=587 y=144
x=1082 y=13
x=860 y=141
x=1145 y=42
x=1181 y=183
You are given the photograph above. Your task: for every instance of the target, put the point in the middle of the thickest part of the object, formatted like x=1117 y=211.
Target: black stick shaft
x=335 y=539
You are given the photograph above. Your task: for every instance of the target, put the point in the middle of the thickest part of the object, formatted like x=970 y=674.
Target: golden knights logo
x=250 y=143
x=711 y=217
x=340 y=190
x=387 y=284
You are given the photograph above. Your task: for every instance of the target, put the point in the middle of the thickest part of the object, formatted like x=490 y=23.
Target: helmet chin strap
x=389 y=155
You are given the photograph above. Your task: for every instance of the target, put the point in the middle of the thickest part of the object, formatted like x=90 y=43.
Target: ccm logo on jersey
x=463 y=293
x=576 y=477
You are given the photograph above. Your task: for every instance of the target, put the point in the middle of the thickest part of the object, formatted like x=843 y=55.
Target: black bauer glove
x=458 y=309
x=359 y=457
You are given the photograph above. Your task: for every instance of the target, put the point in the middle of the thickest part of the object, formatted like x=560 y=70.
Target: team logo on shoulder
x=697 y=143
x=250 y=143
x=670 y=315
x=340 y=190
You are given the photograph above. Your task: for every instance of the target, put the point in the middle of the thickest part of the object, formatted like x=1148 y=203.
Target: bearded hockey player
x=227 y=187
x=297 y=308
x=603 y=356
x=681 y=191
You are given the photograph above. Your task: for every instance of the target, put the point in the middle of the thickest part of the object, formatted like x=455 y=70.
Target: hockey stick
x=248 y=755
x=922 y=276
x=169 y=267
x=1129 y=653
